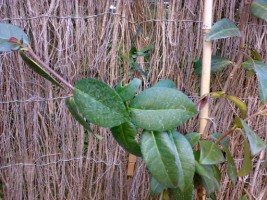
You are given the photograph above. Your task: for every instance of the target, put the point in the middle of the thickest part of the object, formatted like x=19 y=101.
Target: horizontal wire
x=59 y=161
x=111 y=13
x=40 y=99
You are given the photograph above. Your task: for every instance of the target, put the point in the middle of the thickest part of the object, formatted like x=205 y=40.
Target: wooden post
x=205 y=78
x=131 y=164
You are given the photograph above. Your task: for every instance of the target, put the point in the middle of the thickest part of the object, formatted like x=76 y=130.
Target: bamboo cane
x=205 y=78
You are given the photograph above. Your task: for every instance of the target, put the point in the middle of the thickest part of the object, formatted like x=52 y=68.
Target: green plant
x=177 y=163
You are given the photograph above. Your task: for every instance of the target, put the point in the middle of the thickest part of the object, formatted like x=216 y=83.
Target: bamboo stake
x=206 y=62
x=205 y=78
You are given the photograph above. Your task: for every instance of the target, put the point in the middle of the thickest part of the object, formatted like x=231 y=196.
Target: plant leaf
x=259 y=9
x=209 y=177
x=8 y=31
x=160 y=109
x=218 y=63
x=185 y=160
x=231 y=168
x=75 y=113
x=99 y=103
x=261 y=72
x=38 y=69
x=247 y=164
x=155 y=187
x=187 y=194
x=160 y=157
x=255 y=142
x=255 y=54
x=128 y=91
x=165 y=83
x=193 y=138
x=125 y=135
x=244 y=197
x=210 y=153
x=242 y=106
x=223 y=29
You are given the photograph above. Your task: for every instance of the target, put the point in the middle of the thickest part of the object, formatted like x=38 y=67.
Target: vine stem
x=243 y=21
x=224 y=135
x=49 y=69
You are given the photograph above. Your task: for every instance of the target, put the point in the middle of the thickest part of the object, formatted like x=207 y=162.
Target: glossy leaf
x=193 y=138
x=208 y=177
x=259 y=9
x=218 y=63
x=99 y=103
x=160 y=157
x=75 y=113
x=223 y=29
x=155 y=187
x=210 y=153
x=161 y=109
x=185 y=160
x=247 y=163
x=255 y=142
x=261 y=72
x=216 y=136
x=218 y=94
x=187 y=194
x=244 y=197
x=38 y=69
x=8 y=31
x=242 y=106
x=128 y=91
x=125 y=135
x=231 y=168
x=165 y=83
x=255 y=54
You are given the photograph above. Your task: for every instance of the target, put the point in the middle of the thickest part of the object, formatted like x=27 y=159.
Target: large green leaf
x=125 y=135
x=128 y=91
x=160 y=109
x=160 y=157
x=193 y=138
x=165 y=83
x=247 y=164
x=223 y=29
x=242 y=106
x=231 y=168
x=259 y=9
x=99 y=103
x=218 y=63
x=210 y=153
x=155 y=187
x=255 y=142
x=187 y=194
x=8 y=31
x=185 y=160
x=38 y=69
x=261 y=72
x=75 y=113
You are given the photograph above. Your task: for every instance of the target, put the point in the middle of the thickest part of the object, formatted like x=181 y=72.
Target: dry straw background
x=45 y=154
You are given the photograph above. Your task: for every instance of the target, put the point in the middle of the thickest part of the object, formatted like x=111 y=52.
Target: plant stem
x=235 y=126
x=243 y=21
x=50 y=70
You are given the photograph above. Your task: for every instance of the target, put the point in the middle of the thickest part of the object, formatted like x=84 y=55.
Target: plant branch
x=224 y=135
x=243 y=21
x=50 y=70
